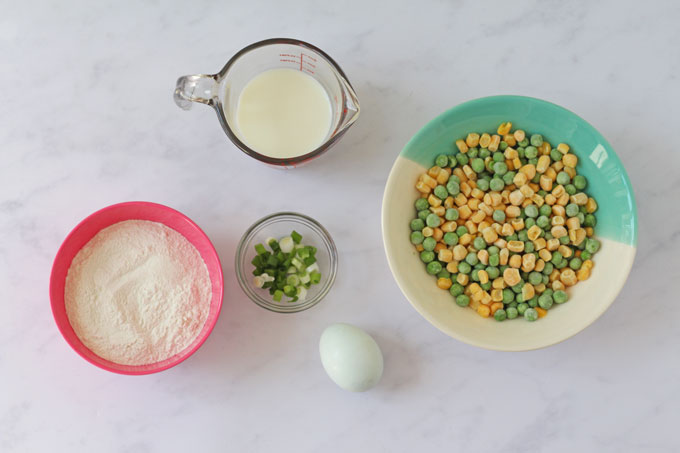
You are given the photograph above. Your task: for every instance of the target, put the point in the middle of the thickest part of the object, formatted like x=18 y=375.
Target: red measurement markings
x=305 y=61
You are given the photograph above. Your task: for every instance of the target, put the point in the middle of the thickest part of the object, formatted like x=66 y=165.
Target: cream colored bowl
x=608 y=184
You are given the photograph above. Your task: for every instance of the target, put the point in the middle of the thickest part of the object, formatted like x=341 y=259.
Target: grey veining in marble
x=87 y=120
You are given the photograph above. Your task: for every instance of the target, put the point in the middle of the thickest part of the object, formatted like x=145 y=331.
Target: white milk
x=283 y=113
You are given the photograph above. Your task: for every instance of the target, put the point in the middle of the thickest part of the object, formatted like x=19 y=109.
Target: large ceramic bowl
x=608 y=184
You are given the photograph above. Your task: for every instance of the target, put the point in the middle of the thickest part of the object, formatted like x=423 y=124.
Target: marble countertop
x=88 y=120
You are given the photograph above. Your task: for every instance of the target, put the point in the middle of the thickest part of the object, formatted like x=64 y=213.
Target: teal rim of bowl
x=607 y=178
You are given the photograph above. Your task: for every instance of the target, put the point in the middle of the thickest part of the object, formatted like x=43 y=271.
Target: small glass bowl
x=277 y=226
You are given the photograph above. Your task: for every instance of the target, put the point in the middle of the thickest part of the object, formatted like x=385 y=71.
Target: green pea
x=530 y=314
x=477 y=165
x=483 y=185
x=528 y=223
x=534 y=161
x=450 y=238
x=474 y=275
x=545 y=210
x=517 y=289
x=463 y=300
x=493 y=250
x=461 y=230
x=441 y=192
x=556 y=155
x=524 y=143
x=479 y=243
x=453 y=187
x=496 y=184
x=454 y=178
x=535 y=278
x=511 y=312
x=564 y=240
x=433 y=220
x=508 y=296
x=471 y=258
x=542 y=193
x=473 y=153
x=422 y=215
x=484 y=153
x=442 y=160
x=530 y=152
x=512 y=237
x=500 y=315
x=543 y=221
x=503 y=268
x=522 y=308
x=452 y=161
x=421 y=203
x=536 y=140
x=521 y=152
x=575 y=263
x=533 y=302
x=531 y=211
x=456 y=289
x=545 y=301
x=556 y=258
x=417 y=237
x=560 y=296
x=547 y=270
x=464 y=267
x=462 y=159
x=546 y=279
x=571 y=210
x=500 y=168
x=503 y=146
x=570 y=189
x=522 y=236
x=417 y=224
x=548 y=291
x=451 y=214
x=585 y=254
x=493 y=272
x=499 y=216
x=486 y=286
x=563 y=178
x=494 y=260
x=548 y=235
x=581 y=217
x=580 y=182
x=592 y=245
x=589 y=220
x=434 y=267
x=426 y=256
x=444 y=274
x=429 y=244
x=498 y=157
x=508 y=177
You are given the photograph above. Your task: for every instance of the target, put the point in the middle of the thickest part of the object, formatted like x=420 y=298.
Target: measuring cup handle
x=195 y=88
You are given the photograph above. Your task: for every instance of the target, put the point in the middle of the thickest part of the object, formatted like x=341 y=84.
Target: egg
x=351 y=357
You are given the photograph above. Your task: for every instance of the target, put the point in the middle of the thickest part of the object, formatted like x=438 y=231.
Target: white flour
x=137 y=293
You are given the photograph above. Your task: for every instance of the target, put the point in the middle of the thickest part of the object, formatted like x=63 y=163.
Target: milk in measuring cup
x=283 y=113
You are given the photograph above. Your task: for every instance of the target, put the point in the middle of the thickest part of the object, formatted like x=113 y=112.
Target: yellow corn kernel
x=557 y=220
x=452 y=267
x=507 y=229
x=462 y=146
x=474 y=304
x=445 y=255
x=434 y=201
x=498 y=283
x=471 y=226
x=587 y=264
x=495 y=141
x=496 y=199
x=570 y=171
x=459 y=252
x=527 y=201
x=478 y=296
x=540 y=265
x=568 y=277
x=448 y=202
x=527 y=191
x=465 y=239
x=510 y=153
x=478 y=194
x=589 y=231
x=483 y=257
x=489 y=235
x=473 y=203
x=472 y=139
x=483 y=277
x=545 y=254
x=534 y=232
x=557 y=166
x=558 y=285
x=542 y=164
x=448 y=227
x=544 y=148
x=496 y=295
x=458 y=171
x=439 y=210
x=504 y=128
x=538 y=200
x=528 y=170
x=591 y=206
x=577 y=236
x=484 y=140
x=495 y=307
x=433 y=172
x=573 y=223
x=463 y=279
x=517 y=224
x=539 y=244
x=485 y=224
x=519 y=135
x=460 y=200
x=515 y=261
x=583 y=274
x=444 y=283
x=483 y=311
x=539 y=288
x=551 y=173
x=541 y=312
x=423 y=188
x=558 y=231
x=503 y=256
x=511 y=276
x=427 y=232
x=464 y=212
x=552 y=244
x=420 y=247
x=501 y=243
x=563 y=148
x=570 y=160
x=516 y=163
x=478 y=216
x=528 y=291
x=510 y=140
x=439 y=246
x=513 y=211
x=558 y=190
x=474 y=288
x=563 y=199
x=520 y=179
x=516 y=246
x=545 y=183
x=488 y=210
x=565 y=251
x=528 y=262
x=443 y=176
x=437 y=234
x=555 y=275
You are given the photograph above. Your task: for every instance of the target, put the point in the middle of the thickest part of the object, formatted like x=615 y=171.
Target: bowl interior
x=87 y=229
x=277 y=226
x=607 y=183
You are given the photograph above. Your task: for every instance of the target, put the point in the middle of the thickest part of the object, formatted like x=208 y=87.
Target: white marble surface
x=88 y=120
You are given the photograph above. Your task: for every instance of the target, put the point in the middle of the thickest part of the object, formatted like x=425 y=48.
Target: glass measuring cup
x=222 y=90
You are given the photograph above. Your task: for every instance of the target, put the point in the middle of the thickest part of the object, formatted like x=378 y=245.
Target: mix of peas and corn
x=505 y=224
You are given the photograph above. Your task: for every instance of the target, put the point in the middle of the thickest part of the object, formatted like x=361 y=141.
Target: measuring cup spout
x=195 y=88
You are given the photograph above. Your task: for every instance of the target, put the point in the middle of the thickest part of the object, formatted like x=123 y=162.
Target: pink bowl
x=133 y=210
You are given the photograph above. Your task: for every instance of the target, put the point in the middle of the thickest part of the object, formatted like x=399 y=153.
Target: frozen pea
x=580 y=182
x=464 y=267
x=512 y=237
x=521 y=152
x=453 y=187
x=546 y=279
x=531 y=211
x=508 y=296
x=461 y=230
x=433 y=220
x=500 y=315
x=493 y=272
x=581 y=217
x=417 y=237
x=508 y=177
x=434 y=267
x=426 y=256
x=564 y=240
x=570 y=189
x=586 y=255
x=474 y=275
x=530 y=152
x=533 y=302
x=499 y=216
x=528 y=246
x=556 y=155
x=500 y=168
x=528 y=223
x=450 y=238
x=548 y=291
x=575 y=263
x=486 y=286
x=497 y=184
x=545 y=301
x=462 y=300
x=421 y=203
x=452 y=161
x=417 y=224
x=524 y=143
x=589 y=220
x=536 y=140
x=484 y=153
x=442 y=160
x=535 y=278
x=545 y=210
x=441 y=192
x=471 y=258
x=493 y=250
x=572 y=210
x=542 y=193
x=456 y=289
x=534 y=161
x=592 y=245
x=479 y=243
x=462 y=159
x=444 y=274
x=511 y=312
x=494 y=260
x=473 y=153
x=562 y=264
x=548 y=235
x=483 y=185
x=547 y=270
x=556 y=257
x=429 y=244
x=451 y=214
x=477 y=165
x=522 y=308
x=543 y=221
x=523 y=236
x=531 y=314
x=454 y=178
x=560 y=297
x=517 y=289
x=498 y=157
x=563 y=178
x=422 y=215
